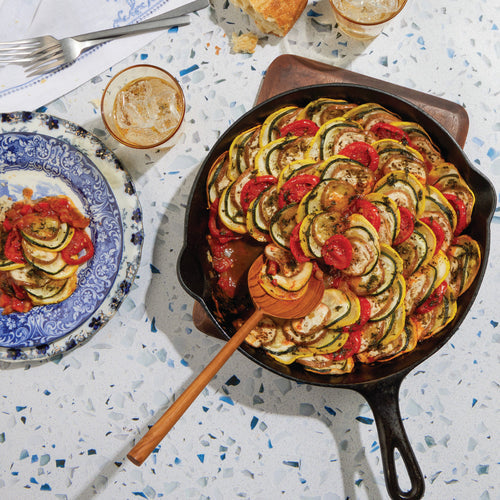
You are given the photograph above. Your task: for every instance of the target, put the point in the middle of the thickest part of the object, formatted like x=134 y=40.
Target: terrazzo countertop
x=66 y=425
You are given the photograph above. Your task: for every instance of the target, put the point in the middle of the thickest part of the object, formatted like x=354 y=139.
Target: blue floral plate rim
x=63 y=142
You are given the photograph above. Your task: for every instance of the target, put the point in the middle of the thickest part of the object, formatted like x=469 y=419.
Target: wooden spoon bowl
x=265 y=304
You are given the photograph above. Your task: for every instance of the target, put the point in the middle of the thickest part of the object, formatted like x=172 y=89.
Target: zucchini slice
x=297 y=281
x=308 y=246
x=349 y=171
x=418 y=249
x=389 y=217
x=267 y=160
x=404 y=189
x=442 y=171
x=50 y=289
x=317 y=228
x=230 y=213
x=282 y=225
x=63 y=294
x=270 y=130
x=388 y=267
x=286 y=358
x=323 y=365
x=54 y=267
x=8 y=265
x=237 y=161
x=405 y=342
x=344 y=307
x=56 y=244
x=33 y=253
x=365 y=246
x=332 y=341
x=421 y=284
x=437 y=318
x=297 y=167
x=327 y=167
x=217 y=179
x=280 y=344
x=421 y=141
x=283 y=287
x=465 y=260
x=436 y=202
x=263 y=333
x=324 y=109
x=28 y=276
x=328 y=194
x=458 y=187
x=396 y=161
x=310 y=328
x=397 y=326
x=260 y=213
x=324 y=143
x=363 y=113
x=373 y=332
x=385 y=303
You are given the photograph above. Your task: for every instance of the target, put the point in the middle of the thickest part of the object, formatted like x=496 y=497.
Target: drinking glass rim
x=361 y=23
x=163 y=140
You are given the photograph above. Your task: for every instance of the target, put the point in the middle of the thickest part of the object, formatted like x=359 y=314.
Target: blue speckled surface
x=66 y=425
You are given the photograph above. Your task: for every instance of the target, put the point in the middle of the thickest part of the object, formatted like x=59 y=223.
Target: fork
x=43 y=54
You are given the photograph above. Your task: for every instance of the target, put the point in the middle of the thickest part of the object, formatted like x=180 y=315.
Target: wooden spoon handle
x=150 y=441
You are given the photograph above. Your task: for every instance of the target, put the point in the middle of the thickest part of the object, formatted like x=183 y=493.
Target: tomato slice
x=294 y=189
x=385 y=130
x=254 y=187
x=299 y=128
x=81 y=242
x=349 y=349
x=220 y=260
x=218 y=230
x=295 y=246
x=461 y=210
x=364 y=315
x=435 y=298
x=12 y=304
x=13 y=249
x=42 y=227
x=437 y=230
x=26 y=209
x=65 y=210
x=227 y=284
x=368 y=210
x=362 y=152
x=337 y=251
x=406 y=227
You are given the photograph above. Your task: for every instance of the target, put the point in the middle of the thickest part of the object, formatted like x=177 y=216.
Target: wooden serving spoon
x=264 y=304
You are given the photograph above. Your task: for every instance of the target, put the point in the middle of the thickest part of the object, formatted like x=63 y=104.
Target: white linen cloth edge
x=28 y=18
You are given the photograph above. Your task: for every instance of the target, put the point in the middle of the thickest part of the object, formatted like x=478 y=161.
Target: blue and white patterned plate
x=52 y=156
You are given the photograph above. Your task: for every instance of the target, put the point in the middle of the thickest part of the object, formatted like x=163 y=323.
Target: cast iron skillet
x=379 y=383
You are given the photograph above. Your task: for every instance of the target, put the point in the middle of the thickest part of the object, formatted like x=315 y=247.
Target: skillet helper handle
x=160 y=429
x=384 y=401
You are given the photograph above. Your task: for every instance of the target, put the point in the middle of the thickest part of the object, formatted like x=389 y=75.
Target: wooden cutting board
x=288 y=72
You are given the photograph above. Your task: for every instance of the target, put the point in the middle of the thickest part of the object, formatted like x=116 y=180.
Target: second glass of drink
x=365 y=19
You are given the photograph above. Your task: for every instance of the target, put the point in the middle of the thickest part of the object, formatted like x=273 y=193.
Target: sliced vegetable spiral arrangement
x=366 y=200
x=42 y=244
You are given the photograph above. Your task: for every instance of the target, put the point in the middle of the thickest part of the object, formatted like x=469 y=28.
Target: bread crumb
x=244 y=43
x=272 y=16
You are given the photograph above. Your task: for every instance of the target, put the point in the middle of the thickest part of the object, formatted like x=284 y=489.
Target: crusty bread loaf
x=273 y=16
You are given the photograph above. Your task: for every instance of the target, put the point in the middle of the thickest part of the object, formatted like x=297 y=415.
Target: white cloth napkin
x=61 y=18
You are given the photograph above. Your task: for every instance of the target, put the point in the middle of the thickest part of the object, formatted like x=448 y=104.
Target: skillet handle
x=383 y=399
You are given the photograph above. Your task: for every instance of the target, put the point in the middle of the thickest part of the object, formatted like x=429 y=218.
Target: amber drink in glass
x=365 y=19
